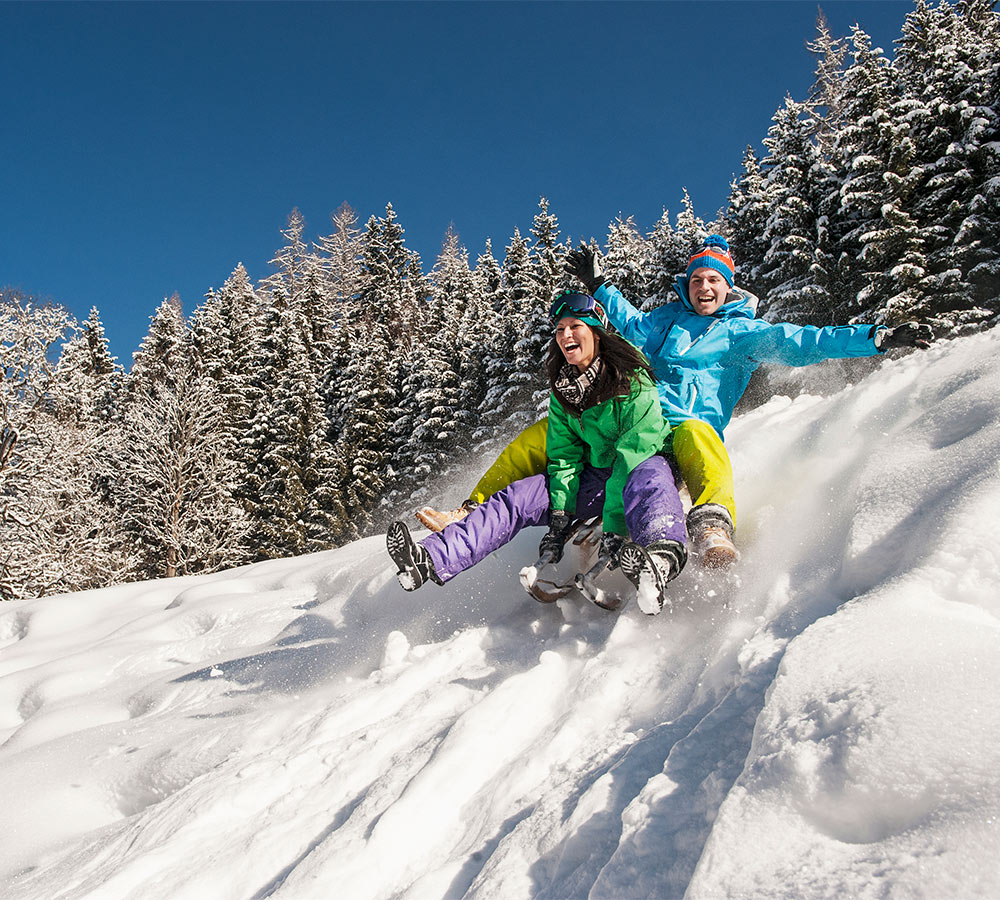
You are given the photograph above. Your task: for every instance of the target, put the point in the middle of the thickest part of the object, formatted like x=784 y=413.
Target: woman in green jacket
x=606 y=431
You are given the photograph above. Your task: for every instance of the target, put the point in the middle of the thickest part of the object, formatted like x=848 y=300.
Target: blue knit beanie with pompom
x=714 y=254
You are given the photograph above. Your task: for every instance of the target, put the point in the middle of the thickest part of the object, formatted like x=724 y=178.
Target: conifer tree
x=341 y=254
x=364 y=446
x=470 y=324
x=498 y=327
x=161 y=357
x=690 y=229
x=510 y=391
x=88 y=378
x=745 y=220
x=627 y=259
x=546 y=278
x=388 y=274
x=859 y=153
x=427 y=433
x=226 y=334
x=826 y=96
x=671 y=246
x=292 y=468
x=947 y=63
x=666 y=260
x=290 y=260
x=791 y=226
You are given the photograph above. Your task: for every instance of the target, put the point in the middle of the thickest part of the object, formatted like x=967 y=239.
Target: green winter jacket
x=618 y=434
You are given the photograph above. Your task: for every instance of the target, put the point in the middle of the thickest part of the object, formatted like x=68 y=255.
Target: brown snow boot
x=710 y=528
x=438 y=519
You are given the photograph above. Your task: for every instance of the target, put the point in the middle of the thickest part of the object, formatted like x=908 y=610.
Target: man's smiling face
x=707 y=291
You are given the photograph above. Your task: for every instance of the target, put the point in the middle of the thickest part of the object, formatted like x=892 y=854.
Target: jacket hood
x=739 y=303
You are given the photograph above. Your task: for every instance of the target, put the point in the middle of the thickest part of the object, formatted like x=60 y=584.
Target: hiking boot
x=650 y=569
x=411 y=559
x=711 y=530
x=439 y=519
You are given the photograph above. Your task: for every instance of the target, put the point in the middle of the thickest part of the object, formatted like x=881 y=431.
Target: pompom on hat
x=714 y=254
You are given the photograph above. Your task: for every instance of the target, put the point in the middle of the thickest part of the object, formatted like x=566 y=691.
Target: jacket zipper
x=716 y=323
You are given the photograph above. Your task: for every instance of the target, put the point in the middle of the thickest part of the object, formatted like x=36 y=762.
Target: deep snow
x=824 y=725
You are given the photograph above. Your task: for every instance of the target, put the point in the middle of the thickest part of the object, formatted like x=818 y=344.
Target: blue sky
x=150 y=147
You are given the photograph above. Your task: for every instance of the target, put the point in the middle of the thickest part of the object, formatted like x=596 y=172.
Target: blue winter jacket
x=703 y=363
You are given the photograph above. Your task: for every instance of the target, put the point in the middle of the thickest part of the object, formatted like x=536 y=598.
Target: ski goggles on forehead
x=580 y=306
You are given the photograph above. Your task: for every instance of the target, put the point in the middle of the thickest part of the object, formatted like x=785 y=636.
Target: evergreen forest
x=313 y=407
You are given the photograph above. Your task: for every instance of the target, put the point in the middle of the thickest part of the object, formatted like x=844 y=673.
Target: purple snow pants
x=653 y=512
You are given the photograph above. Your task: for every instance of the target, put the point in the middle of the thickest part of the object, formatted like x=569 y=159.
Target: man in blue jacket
x=704 y=346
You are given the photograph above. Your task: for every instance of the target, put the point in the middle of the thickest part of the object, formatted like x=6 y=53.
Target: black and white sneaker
x=412 y=560
x=650 y=569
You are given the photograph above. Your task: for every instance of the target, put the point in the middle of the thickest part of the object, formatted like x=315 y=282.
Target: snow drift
x=824 y=724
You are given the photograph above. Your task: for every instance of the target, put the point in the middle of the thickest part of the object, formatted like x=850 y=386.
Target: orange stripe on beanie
x=714 y=254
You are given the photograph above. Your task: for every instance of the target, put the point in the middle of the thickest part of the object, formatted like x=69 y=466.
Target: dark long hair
x=620 y=370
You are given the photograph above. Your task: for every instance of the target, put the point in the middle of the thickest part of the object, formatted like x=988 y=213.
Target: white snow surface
x=824 y=724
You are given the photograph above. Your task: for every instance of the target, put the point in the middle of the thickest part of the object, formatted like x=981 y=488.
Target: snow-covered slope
x=827 y=725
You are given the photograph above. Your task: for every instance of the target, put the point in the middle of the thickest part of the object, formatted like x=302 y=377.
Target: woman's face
x=578 y=342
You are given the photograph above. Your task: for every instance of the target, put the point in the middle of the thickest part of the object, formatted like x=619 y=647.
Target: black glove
x=550 y=548
x=583 y=264
x=611 y=548
x=910 y=334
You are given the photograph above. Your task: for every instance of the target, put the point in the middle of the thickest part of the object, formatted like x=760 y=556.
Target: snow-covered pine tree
x=226 y=333
x=84 y=402
x=627 y=259
x=832 y=272
x=340 y=253
x=859 y=153
x=690 y=229
x=498 y=329
x=546 y=277
x=745 y=219
x=293 y=469
x=289 y=261
x=791 y=226
x=671 y=246
x=826 y=96
x=387 y=269
x=947 y=64
x=161 y=356
x=892 y=254
x=509 y=392
x=470 y=327
x=345 y=260
x=977 y=242
x=426 y=434
x=89 y=377
x=369 y=406
x=666 y=260
x=430 y=395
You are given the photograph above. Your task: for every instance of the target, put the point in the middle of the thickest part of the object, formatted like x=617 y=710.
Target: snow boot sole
x=412 y=561
x=650 y=570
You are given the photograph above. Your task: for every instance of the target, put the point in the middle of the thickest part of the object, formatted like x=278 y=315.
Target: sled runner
x=580 y=574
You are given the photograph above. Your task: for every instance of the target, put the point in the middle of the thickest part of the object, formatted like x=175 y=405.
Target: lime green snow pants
x=697 y=449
